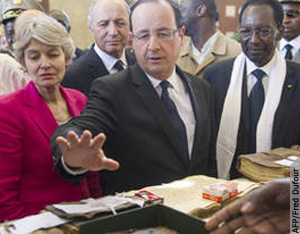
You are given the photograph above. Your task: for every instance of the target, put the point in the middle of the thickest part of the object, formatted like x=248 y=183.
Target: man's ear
x=279 y=33
x=91 y=31
x=181 y=35
x=201 y=10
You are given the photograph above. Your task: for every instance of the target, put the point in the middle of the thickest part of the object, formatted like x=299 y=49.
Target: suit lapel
x=245 y=105
x=193 y=93
x=153 y=104
x=207 y=60
x=97 y=67
x=297 y=57
x=288 y=91
x=218 y=49
x=130 y=58
x=190 y=65
x=39 y=111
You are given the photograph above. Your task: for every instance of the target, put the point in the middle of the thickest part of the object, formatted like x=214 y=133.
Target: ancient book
x=270 y=165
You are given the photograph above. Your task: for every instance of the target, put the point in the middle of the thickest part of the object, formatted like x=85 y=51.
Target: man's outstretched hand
x=85 y=152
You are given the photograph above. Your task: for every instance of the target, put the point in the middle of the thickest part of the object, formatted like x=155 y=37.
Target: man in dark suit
x=263 y=112
x=289 y=45
x=158 y=120
x=109 y=26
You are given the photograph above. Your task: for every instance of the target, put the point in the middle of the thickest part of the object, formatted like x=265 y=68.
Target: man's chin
x=288 y=37
x=158 y=72
x=115 y=51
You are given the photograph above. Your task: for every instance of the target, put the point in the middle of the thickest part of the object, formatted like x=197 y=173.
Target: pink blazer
x=27 y=180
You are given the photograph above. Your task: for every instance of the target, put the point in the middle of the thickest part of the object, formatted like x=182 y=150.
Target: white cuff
x=78 y=171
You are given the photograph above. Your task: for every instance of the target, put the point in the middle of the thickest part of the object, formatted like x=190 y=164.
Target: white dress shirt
x=181 y=98
x=295 y=43
x=109 y=61
x=199 y=56
x=251 y=79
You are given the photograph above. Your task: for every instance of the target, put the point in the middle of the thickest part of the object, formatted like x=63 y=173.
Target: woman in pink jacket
x=28 y=118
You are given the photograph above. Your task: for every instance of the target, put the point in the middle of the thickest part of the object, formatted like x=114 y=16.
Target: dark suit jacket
x=286 y=128
x=126 y=107
x=83 y=71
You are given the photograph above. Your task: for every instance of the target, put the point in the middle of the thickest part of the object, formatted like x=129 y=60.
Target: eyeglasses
x=293 y=13
x=162 y=35
x=262 y=31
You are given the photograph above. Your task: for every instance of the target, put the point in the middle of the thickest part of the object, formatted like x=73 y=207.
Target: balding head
x=109 y=25
x=100 y=3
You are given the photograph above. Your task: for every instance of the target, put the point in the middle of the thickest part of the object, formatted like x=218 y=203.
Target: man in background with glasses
x=289 y=46
x=257 y=94
x=158 y=120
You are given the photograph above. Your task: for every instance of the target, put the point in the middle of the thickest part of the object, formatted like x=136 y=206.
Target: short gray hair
x=44 y=29
x=90 y=15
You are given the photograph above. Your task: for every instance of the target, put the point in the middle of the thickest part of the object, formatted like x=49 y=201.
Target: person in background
x=4 y=47
x=205 y=44
x=28 y=118
x=109 y=26
x=264 y=210
x=12 y=75
x=257 y=93
x=63 y=18
x=289 y=45
x=157 y=119
x=10 y=10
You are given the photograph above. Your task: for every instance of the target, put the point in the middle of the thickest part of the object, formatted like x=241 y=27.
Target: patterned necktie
x=288 y=54
x=118 y=65
x=175 y=118
x=256 y=103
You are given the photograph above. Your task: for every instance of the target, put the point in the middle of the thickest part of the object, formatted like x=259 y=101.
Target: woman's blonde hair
x=44 y=29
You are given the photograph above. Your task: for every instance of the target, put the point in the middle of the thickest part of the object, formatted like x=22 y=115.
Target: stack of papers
x=32 y=223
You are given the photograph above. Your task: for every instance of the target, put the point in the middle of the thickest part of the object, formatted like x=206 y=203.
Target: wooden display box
x=147 y=217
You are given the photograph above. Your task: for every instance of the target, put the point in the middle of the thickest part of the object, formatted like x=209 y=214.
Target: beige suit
x=223 y=48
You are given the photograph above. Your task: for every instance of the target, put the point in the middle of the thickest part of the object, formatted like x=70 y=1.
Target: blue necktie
x=256 y=103
x=175 y=118
x=288 y=54
x=118 y=65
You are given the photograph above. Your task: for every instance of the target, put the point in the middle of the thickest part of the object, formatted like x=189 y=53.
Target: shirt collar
x=108 y=60
x=207 y=45
x=266 y=68
x=172 y=80
x=295 y=43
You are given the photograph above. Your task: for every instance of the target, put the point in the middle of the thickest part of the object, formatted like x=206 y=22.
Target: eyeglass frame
x=292 y=13
x=264 y=31
x=149 y=34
